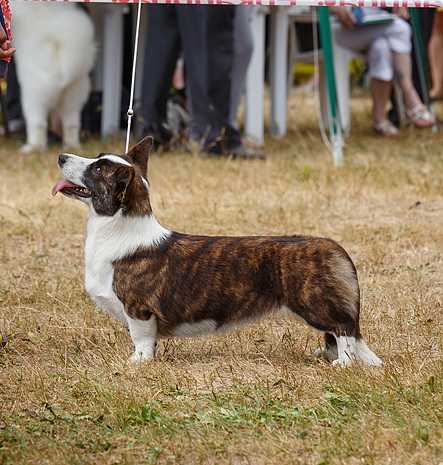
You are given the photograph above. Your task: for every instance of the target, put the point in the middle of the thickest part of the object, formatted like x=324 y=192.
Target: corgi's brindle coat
x=163 y=283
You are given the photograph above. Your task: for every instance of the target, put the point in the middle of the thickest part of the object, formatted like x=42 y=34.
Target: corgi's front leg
x=144 y=336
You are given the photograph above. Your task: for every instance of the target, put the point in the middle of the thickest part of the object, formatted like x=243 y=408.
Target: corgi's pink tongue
x=60 y=185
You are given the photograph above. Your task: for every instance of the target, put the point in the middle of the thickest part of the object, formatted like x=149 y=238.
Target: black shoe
x=161 y=134
x=229 y=143
x=246 y=153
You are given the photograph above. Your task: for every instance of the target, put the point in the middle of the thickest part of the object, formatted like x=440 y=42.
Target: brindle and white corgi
x=164 y=284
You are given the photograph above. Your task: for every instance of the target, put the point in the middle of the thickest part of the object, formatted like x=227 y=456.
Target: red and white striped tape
x=365 y=3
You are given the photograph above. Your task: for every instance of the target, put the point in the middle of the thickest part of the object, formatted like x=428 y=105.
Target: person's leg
x=403 y=74
x=371 y=40
x=359 y=40
x=243 y=49
x=398 y=35
x=380 y=91
x=162 y=48
x=221 y=51
x=13 y=94
x=435 y=56
x=192 y=23
x=381 y=75
x=208 y=47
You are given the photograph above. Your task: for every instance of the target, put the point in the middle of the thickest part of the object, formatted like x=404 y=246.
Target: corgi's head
x=108 y=183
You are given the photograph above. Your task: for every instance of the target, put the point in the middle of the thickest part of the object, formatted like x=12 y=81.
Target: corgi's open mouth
x=70 y=189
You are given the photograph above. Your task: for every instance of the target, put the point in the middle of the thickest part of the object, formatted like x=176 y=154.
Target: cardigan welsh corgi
x=163 y=283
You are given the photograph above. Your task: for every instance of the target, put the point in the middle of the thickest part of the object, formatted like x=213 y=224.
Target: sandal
x=420 y=116
x=385 y=128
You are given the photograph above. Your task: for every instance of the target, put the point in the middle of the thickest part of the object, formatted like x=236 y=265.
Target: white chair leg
x=342 y=58
x=254 y=97
x=278 y=75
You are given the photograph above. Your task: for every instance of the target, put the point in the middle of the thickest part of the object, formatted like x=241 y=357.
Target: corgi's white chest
x=109 y=239
x=99 y=276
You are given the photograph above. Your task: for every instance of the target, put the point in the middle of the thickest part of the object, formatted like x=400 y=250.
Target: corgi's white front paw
x=142 y=354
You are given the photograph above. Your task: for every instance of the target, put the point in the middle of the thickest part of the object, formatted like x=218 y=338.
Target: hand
x=6 y=51
x=346 y=17
x=401 y=12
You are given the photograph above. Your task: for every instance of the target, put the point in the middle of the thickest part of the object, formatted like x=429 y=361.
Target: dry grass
x=67 y=395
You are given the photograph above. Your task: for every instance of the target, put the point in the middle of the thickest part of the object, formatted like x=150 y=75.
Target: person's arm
x=402 y=12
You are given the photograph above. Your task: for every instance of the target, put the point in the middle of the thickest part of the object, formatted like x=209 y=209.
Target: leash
x=130 y=112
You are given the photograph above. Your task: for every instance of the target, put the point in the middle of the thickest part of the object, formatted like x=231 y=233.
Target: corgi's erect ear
x=139 y=154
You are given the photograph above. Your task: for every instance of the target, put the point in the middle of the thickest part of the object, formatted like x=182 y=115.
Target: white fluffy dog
x=55 y=53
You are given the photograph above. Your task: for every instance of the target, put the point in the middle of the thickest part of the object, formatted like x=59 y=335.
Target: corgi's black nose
x=62 y=159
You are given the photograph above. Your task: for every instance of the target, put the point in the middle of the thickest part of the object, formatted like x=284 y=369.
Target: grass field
x=68 y=396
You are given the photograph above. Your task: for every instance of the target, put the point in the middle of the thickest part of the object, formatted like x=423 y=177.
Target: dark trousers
x=205 y=36
x=13 y=100
x=220 y=59
x=172 y=29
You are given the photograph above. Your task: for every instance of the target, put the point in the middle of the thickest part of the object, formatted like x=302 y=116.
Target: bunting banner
x=330 y=3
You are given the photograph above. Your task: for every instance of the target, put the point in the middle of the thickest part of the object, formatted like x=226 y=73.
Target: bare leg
x=403 y=73
x=381 y=92
x=435 y=50
x=55 y=124
x=415 y=109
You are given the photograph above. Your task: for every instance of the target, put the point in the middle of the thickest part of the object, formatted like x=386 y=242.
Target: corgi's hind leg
x=144 y=336
x=355 y=349
x=343 y=342
x=330 y=352
x=330 y=303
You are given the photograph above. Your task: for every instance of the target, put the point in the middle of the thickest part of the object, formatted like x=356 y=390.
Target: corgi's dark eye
x=97 y=169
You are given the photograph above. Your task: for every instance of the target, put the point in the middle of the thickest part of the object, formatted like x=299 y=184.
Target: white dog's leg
x=36 y=117
x=71 y=104
x=144 y=337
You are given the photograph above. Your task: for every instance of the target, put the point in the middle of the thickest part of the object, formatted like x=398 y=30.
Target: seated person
x=388 y=50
